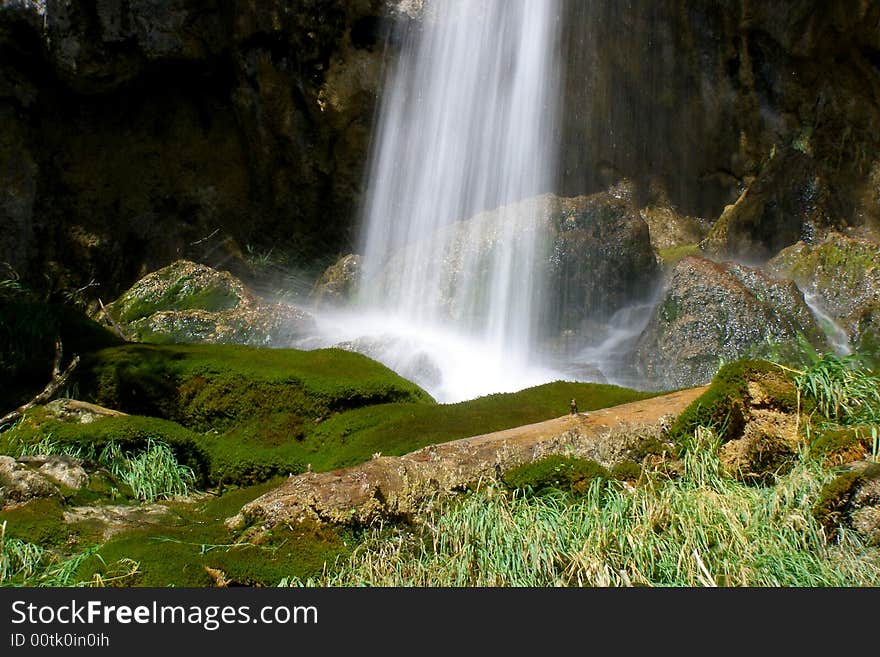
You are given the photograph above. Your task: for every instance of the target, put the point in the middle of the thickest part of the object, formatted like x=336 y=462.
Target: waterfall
x=466 y=130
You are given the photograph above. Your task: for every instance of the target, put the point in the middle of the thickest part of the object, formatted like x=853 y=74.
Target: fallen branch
x=59 y=378
x=116 y=328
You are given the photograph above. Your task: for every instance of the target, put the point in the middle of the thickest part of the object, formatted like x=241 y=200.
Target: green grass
x=701 y=529
x=843 y=389
x=28 y=564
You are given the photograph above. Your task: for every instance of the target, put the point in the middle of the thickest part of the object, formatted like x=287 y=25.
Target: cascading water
x=450 y=292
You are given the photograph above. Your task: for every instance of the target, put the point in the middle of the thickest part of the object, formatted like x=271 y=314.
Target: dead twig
x=59 y=378
x=116 y=327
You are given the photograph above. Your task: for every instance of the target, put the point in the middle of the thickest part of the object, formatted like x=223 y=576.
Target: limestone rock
x=30 y=477
x=399 y=487
x=711 y=312
x=19 y=483
x=843 y=274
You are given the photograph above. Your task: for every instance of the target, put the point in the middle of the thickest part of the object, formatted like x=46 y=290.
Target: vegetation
x=701 y=529
x=722 y=407
x=566 y=473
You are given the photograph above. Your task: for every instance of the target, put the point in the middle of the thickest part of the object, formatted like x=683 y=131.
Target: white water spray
x=467 y=124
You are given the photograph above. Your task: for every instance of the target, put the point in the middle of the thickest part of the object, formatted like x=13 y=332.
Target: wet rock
x=669 y=229
x=189 y=302
x=790 y=200
x=602 y=258
x=843 y=274
x=713 y=312
x=338 y=282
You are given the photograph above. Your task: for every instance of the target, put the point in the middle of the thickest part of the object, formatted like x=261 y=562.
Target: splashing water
x=467 y=124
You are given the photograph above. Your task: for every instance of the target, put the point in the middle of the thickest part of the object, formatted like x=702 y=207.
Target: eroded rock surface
x=712 y=312
x=394 y=487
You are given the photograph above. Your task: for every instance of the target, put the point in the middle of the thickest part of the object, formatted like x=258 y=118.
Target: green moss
x=650 y=447
x=211 y=387
x=395 y=429
x=627 y=471
x=566 y=473
x=182 y=554
x=39 y=521
x=671 y=256
x=842 y=445
x=723 y=406
x=212 y=298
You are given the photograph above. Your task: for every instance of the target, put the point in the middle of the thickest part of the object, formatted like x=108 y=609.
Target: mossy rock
x=213 y=387
x=567 y=473
x=838 y=446
x=725 y=405
x=182 y=285
x=835 y=506
x=130 y=432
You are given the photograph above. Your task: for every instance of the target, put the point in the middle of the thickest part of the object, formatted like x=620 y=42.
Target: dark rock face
x=602 y=258
x=717 y=311
x=788 y=201
x=694 y=96
x=137 y=132
x=844 y=275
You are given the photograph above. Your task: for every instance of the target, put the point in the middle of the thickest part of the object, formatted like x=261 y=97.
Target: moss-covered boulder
x=852 y=500
x=843 y=274
x=752 y=407
x=714 y=312
x=189 y=302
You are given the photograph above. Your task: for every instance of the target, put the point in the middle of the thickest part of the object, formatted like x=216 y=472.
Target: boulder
x=852 y=500
x=790 y=200
x=713 y=312
x=843 y=274
x=601 y=261
x=188 y=302
x=29 y=477
x=337 y=284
